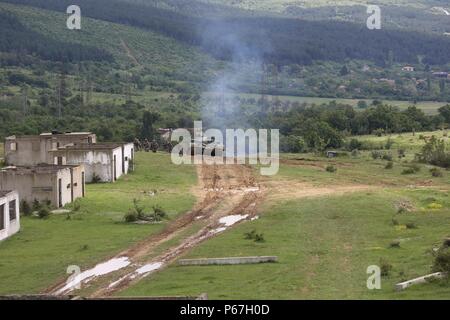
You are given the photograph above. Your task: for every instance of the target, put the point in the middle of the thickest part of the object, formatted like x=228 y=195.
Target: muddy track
x=223 y=191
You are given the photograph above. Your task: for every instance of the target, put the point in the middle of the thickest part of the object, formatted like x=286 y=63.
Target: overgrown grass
x=324 y=247
x=40 y=254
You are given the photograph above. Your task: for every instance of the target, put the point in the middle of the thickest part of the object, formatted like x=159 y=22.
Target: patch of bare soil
x=284 y=190
x=224 y=190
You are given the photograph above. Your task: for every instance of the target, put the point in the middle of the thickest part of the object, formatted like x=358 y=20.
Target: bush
x=395 y=222
x=385 y=267
x=442 y=260
x=76 y=206
x=394 y=244
x=96 y=178
x=376 y=154
x=159 y=213
x=259 y=237
x=389 y=165
x=354 y=144
x=408 y=171
x=401 y=153
x=434 y=152
x=252 y=235
x=435 y=172
x=387 y=157
x=331 y=169
x=378 y=132
x=389 y=144
x=43 y=213
x=25 y=208
x=131 y=217
x=414 y=168
x=411 y=225
x=36 y=205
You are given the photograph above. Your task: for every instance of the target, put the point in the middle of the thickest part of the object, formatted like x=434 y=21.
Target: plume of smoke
x=244 y=65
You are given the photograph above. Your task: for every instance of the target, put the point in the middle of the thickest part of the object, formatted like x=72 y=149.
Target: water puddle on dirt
x=230 y=220
x=99 y=270
x=149 y=268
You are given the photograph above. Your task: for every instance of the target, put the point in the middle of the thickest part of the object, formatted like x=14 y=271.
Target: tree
x=148 y=120
x=344 y=71
x=362 y=104
x=445 y=112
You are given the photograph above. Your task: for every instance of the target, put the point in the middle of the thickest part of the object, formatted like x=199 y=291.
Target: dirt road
x=228 y=195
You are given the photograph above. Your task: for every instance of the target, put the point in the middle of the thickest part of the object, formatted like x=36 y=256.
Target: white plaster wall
x=11 y=227
x=66 y=185
x=94 y=161
x=30 y=186
x=118 y=153
x=129 y=155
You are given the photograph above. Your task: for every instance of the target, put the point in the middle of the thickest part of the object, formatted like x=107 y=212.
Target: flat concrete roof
x=92 y=146
x=4 y=193
x=66 y=134
x=49 y=134
x=39 y=169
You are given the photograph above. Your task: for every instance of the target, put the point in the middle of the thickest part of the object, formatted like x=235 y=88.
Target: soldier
x=146 y=145
x=137 y=144
x=154 y=146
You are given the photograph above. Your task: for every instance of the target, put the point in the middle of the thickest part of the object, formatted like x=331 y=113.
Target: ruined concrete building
x=104 y=162
x=9 y=214
x=34 y=150
x=59 y=185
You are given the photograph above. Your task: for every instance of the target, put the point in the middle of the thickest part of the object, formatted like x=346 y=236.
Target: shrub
x=76 y=206
x=401 y=153
x=96 y=178
x=376 y=154
x=389 y=165
x=411 y=169
x=331 y=168
x=394 y=244
x=354 y=144
x=434 y=152
x=25 y=208
x=43 y=213
x=159 y=213
x=411 y=225
x=442 y=260
x=435 y=172
x=355 y=153
x=130 y=217
x=387 y=157
x=395 y=222
x=408 y=171
x=250 y=235
x=138 y=210
x=36 y=205
x=389 y=144
x=259 y=237
x=385 y=267
x=378 y=132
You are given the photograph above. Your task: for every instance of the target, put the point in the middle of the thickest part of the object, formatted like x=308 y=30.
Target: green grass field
x=325 y=243
x=429 y=107
x=40 y=254
x=324 y=247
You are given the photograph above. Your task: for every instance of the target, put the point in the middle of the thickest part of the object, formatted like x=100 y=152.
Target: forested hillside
x=276 y=40
x=132 y=62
